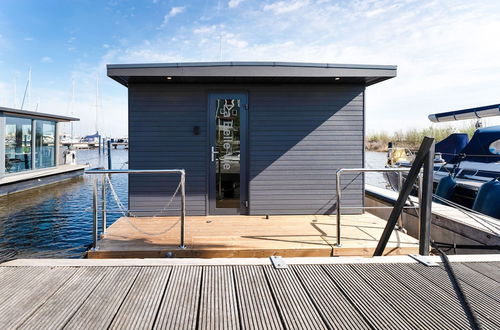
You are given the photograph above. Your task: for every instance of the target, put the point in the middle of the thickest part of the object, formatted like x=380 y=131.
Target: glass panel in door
x=227 y=145
x=227 y=180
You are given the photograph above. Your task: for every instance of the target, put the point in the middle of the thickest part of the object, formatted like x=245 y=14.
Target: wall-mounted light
x=337 y=78
x=169 y=78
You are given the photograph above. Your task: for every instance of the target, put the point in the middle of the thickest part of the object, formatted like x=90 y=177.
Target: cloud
x=174 y=11
x=281 y=7
x=205 y=29
x=234 y=3
x=28 y=39
x=46 y=59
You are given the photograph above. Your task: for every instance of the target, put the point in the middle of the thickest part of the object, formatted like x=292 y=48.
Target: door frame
x=211 y=174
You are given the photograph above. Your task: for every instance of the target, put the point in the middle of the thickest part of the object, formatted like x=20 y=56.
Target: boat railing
x=339 y=207
x=105 y=172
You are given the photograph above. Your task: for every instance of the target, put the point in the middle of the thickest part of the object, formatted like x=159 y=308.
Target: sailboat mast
x=97 y=103
x=71 y=106
x=15 y=92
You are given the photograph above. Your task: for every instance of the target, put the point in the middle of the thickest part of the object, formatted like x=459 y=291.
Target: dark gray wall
x=299 y=136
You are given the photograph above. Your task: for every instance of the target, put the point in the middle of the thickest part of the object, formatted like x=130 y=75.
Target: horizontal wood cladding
x=161 y=120
x=298 y=137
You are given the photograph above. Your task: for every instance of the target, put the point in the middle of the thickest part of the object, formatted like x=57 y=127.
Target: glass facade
x=19 y=140
x=45 y=147
x=17 y=144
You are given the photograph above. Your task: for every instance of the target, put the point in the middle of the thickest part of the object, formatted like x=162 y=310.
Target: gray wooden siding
x=299 y=135
x=161 y=120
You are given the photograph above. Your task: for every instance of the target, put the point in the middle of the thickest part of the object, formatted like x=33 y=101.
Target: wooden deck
x=312 y=293
x=249 y=237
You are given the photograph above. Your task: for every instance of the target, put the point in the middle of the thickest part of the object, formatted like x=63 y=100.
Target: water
x=56 y=221
x=375 y=159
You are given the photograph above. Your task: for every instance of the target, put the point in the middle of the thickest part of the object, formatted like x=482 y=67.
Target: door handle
x=213 y=153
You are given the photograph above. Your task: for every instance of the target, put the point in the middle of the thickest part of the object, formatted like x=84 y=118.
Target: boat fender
x=488 y=199
x=446 y=187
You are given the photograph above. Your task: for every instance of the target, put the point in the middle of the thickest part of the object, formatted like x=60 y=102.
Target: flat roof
x=250 y=72
x=33 y=114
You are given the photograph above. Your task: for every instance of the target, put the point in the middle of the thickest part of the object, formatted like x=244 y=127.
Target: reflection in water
x=56 y=221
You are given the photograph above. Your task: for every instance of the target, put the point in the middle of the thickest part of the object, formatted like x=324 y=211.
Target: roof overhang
x=35 y=115
x=250 y=72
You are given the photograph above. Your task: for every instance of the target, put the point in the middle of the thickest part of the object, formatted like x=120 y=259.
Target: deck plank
x=140 y=307
x=14 y=279
x=366 y=299
x=477 y=280
x=297 y=310
x=59 y=308
x=440 y=300
x=179 y=308
x=334 y=307
x=218 y=306
x=98 y=310
x=487 y=269
x=256 y=305
x=479 y=301
x=404 y=300
x=31 y=295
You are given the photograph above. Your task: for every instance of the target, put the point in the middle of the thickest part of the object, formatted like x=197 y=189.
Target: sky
x=447 y=52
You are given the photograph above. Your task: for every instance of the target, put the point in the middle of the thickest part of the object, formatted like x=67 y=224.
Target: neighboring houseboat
x=255 y=138
x=30 y=153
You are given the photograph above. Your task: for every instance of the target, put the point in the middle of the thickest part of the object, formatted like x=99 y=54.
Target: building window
x=17 y=144
x=45 y=147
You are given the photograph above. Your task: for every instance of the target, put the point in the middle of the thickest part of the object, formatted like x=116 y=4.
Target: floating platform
x=312 y=293
x=21 y=181
x=249 y=237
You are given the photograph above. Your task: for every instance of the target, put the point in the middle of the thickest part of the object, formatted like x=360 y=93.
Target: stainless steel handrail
x=357 y=170
x=104 y=172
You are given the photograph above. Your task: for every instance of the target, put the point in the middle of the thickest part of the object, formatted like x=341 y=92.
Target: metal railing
x=104 y=173
x=365 y=170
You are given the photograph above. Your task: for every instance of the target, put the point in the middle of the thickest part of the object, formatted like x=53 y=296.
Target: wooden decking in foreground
x=312 y=293
x=249 y=237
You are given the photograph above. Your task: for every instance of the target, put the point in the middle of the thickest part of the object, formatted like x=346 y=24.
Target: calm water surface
x=56 y=221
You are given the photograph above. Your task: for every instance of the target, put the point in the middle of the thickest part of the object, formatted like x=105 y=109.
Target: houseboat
x=30 y=151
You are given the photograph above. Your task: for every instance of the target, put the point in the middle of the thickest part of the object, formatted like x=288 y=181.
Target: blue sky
x=447 y=52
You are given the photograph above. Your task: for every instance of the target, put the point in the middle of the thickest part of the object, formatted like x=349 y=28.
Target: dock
x=249 y=237
x=311 y=293
x=21 y=181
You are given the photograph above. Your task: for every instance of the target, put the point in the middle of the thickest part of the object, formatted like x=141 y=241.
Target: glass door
x=227 y=154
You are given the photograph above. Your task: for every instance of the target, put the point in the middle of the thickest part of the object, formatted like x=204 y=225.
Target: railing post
x=94 y=214
x=426 y=203
x=400 y=186
x=103 y=205
x=339 y=172
x=110 y=165
x=183 y=207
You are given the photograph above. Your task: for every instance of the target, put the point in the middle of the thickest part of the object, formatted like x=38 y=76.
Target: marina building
x=255 y=138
